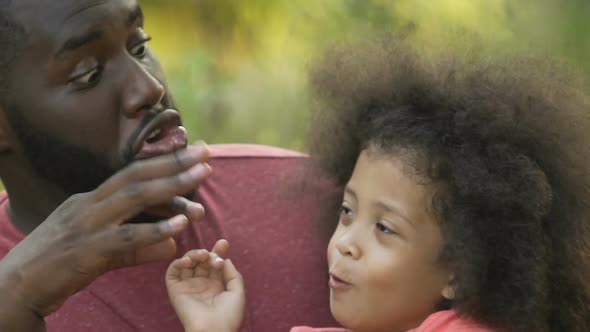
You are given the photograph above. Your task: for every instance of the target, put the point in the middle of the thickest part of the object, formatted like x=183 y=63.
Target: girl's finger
x=175 y=269
x=215 y=261
x=232 y=277
x=221 y=248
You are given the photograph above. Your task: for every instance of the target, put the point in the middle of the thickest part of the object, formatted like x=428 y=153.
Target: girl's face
x=383 y=255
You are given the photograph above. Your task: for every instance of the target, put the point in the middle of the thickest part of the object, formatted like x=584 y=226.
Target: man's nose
x=142 y=91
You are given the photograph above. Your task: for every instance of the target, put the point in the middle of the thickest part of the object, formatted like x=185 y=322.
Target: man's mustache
x=128 y=153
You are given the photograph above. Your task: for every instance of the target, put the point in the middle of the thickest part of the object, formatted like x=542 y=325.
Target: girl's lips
x=336 y=283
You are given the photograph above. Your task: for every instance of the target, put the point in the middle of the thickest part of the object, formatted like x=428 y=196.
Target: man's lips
x=160 y=136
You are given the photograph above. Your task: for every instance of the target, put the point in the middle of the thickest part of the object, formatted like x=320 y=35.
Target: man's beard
x=71 y=168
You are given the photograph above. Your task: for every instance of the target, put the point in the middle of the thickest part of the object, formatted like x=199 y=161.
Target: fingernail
x=195 y=208
x=180 y=203
x=218 y=260
x=178 y=223
x=199 y=150
x=200 y=142
x=196 y=205
x=199 y=170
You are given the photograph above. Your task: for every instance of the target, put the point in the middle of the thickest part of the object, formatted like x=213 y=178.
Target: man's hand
x=88 y=235
x=206 y=291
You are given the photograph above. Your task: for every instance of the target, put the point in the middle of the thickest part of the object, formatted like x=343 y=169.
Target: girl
x=465 y=198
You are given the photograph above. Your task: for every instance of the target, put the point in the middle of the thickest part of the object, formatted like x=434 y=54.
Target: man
x=92 y=150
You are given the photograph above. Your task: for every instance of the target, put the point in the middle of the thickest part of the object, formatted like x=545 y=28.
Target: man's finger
x=192 y=210
x=179 y=205
x=157 y=167
x=127 y=240
x=135 y=198
x=155 y=252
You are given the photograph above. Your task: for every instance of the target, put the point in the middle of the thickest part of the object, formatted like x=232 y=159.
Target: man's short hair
x=12 y=37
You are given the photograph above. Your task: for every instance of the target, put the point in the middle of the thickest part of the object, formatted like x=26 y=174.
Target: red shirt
x=276 y=244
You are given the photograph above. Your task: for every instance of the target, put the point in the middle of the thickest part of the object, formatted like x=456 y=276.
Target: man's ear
x=6 y=143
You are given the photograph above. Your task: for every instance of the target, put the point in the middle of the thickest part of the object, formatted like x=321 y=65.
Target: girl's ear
x=449 y=291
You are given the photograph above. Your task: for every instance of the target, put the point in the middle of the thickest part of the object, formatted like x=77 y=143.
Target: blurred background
x=238 y=68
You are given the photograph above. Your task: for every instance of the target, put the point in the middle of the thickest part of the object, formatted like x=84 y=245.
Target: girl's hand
x=206 y=291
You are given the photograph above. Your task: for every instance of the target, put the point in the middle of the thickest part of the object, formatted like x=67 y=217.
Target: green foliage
x=238 y=68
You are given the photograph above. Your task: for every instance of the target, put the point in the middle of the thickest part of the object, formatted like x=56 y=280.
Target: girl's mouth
x=336 y=283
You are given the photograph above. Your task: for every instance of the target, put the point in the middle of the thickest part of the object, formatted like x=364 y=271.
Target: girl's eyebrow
x=350 y=191
x=388 y=207
x=392 y=208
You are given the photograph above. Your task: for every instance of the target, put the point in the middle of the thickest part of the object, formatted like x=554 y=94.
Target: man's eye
x=88 y=79
x=140 y=50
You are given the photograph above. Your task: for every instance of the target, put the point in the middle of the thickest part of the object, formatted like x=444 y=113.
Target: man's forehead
x=52 y=16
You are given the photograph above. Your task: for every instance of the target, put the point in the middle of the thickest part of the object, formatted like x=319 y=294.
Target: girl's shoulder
x=451 y=321
x=441 y=321
x=311 y=329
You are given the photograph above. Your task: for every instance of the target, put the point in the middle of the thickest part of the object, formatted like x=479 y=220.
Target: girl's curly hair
x=509 y=141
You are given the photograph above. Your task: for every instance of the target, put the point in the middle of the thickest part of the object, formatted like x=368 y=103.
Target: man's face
x=87 y=95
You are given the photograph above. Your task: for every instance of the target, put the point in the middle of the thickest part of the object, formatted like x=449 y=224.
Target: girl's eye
x=88 y=79
x=345 y=215
x=345 y=211
x=384 y=229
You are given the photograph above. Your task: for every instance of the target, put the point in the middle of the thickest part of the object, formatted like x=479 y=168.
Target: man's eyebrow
x=134 y=15
x=77 y=42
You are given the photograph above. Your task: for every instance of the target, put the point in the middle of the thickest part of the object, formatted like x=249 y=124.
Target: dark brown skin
x=86 y=237
x=98 y=113
x=93 y=97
